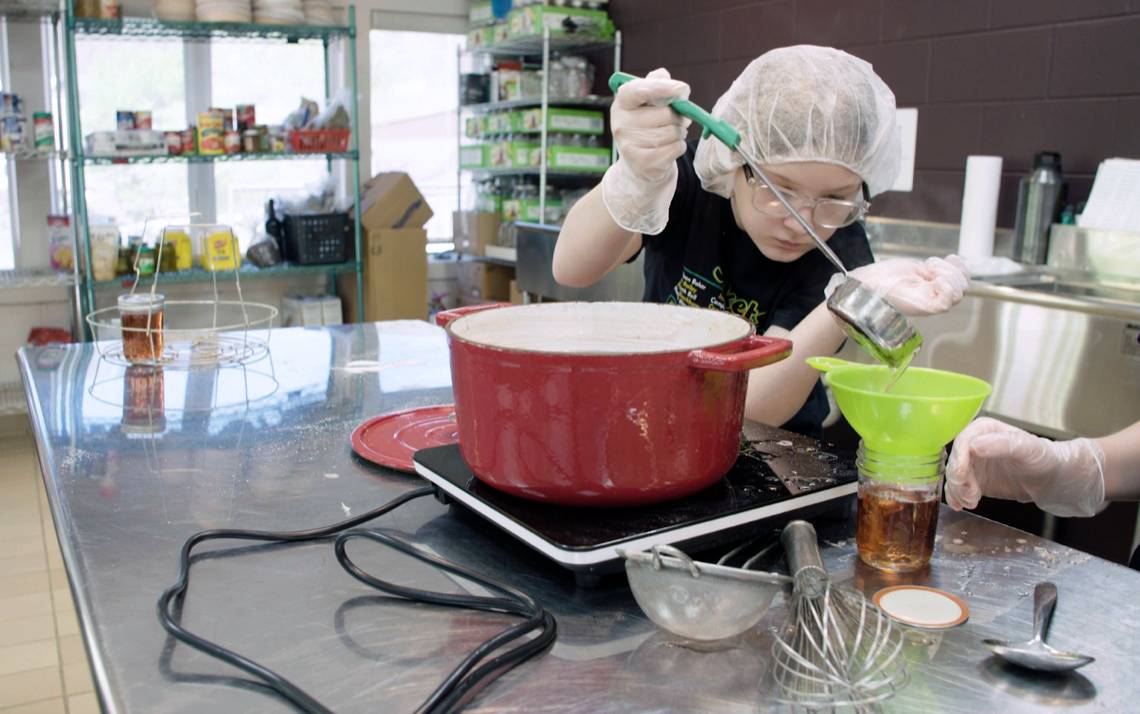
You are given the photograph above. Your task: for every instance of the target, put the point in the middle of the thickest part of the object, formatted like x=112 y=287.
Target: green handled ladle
x=866 y=316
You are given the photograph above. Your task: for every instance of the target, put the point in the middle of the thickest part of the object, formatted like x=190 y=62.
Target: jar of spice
x=897 y=517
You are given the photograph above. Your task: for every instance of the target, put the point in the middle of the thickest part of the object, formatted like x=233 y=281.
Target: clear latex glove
x=990 y=458
x=639 y=187
x=915 y=288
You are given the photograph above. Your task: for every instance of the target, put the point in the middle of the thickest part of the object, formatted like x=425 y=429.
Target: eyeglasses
x=825 y=212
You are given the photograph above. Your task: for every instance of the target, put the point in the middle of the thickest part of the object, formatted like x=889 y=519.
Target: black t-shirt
x=704 y=259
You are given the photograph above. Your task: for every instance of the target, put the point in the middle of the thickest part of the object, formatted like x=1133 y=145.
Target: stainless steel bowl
x=879 y=327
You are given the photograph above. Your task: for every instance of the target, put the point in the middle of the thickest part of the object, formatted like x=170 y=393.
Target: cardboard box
x=484 y=281
x=391 y=200
x=395 y=276
x=301 y=311
x=331 y=313
x=473 y=230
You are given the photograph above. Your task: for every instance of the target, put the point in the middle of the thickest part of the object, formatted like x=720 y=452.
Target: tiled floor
x=43 y=666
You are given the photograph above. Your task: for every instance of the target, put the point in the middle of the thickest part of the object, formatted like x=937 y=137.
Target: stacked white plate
x=174 y=10
x=278 y=12
x=318 y=12
x=224 y=11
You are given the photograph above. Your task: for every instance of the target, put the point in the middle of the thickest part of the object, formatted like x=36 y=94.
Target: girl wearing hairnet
x=822 y=124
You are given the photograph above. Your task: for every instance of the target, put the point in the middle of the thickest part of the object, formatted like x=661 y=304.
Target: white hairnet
x=806 y=103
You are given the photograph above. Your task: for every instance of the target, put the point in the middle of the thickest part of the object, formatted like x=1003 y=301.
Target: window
x=135 y=75
x=274 y=84
x=7 y=174
x=415 y=97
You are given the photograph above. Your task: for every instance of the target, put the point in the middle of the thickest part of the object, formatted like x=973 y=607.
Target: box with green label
x=497 y=123
x=474 y=156
x=577 y=158
x=560 y=121
x=587 y=24
x=514 y=154
x=528 y=209
x=480 y=13
x=489 y=203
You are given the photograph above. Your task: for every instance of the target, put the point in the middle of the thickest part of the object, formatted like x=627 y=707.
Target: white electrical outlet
x=907 y=122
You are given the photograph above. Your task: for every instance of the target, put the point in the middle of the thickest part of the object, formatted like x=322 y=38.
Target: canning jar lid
x=141 y=302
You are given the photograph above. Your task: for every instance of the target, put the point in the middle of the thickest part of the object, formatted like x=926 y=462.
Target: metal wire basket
x=189 y=333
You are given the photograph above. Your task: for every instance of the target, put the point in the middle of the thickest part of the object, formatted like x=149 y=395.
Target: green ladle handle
x=710 y=124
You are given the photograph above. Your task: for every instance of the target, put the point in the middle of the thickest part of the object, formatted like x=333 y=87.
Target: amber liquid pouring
x=142 y=336
x=895 y=530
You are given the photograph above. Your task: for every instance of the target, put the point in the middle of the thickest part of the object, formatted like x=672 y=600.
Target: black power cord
x=476 y=671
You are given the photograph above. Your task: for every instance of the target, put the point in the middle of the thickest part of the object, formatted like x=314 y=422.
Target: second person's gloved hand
x=990 y=458
x=650 y=137
x=915 y=288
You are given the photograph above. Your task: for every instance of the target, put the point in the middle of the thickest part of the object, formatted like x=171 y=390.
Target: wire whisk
x=837 y=648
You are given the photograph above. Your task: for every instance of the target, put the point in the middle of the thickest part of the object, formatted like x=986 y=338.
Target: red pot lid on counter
x=390 y=440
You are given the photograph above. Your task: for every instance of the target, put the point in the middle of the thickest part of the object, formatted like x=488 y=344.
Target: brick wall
x=1001 y=77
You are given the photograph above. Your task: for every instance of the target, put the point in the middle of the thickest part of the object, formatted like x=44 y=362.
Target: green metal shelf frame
x=211 y=158
x=199 y=275
x=205 y=31
x=580 y=102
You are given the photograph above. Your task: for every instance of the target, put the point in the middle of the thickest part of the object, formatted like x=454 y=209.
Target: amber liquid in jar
x=141 y=317
x=899 y=497
x=895 y=530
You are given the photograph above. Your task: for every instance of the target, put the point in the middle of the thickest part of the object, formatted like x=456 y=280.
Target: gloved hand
x=650 y=137
x=990 y=458
x=915 y=288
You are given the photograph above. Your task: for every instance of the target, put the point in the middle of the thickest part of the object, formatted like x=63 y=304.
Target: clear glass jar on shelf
x=899 y=498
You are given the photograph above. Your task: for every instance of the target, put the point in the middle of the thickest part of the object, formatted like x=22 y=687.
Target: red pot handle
x=446 y=317
x=751 y=352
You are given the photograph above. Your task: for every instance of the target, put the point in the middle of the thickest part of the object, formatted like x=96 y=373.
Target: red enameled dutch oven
x=601 y=404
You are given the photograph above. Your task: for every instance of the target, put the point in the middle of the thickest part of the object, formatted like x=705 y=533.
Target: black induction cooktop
x=776 y=476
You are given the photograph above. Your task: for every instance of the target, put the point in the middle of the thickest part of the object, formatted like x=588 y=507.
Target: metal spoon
x=1035 y=654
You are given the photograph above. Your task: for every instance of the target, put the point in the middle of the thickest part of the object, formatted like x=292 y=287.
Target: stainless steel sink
x=1072 y=288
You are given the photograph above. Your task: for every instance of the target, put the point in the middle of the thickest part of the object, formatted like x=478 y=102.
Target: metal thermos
x=1039 y=198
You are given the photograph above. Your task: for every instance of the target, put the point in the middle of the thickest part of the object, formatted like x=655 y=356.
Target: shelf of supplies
x=550 y=173
x=29 y=155
x=198 y=275
x=12 y=399
x=588 y=102
x=533 y=45
x=27 y=9
x=209 y=158
x=144 y=27
x=17 y=279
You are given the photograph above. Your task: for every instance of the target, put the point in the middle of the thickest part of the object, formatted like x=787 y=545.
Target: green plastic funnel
x=922 y=412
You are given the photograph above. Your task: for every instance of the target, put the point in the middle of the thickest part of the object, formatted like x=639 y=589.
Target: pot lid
x=390 y=440
x=600 y=328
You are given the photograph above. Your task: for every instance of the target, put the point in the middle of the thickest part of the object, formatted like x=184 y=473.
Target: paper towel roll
x=979 y=206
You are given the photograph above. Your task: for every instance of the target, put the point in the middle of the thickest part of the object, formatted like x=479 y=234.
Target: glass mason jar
x=898 y=508
x=141 y=317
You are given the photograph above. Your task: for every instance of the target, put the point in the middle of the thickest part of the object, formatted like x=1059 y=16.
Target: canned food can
x=189 y=144
x=246 y=117
x=143 y=120
x=250 y=141
x=173 y=142
x=231 y=142
x=124 y=120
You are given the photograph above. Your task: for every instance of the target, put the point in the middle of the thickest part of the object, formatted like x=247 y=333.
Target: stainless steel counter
x=266 y=446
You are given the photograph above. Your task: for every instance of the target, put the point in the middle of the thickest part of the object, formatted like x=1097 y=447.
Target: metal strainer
x=701 y=601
